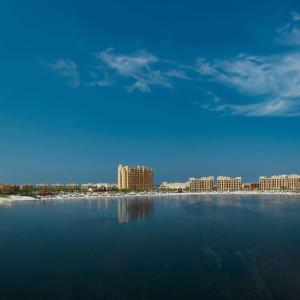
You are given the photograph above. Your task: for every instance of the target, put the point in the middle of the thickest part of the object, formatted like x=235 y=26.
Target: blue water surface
x=173 y=247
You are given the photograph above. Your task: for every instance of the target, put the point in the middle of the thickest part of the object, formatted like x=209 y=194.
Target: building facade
x=72 y=186
x=201 y=184
x=279 y=183
x=41 y=186
x=229 y=183
x=135 y=178
x=250 y=186
x=174 y=186
x=57 y=186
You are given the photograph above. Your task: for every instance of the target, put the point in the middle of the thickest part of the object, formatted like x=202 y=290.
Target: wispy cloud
x=295 y=16
x=175 y=73
x=260 y=85
x=265 y=85
x=276 y=107
x=289 y=33
x=105 y=81
x=144 y=68
x=274 y=80
x=66 y=68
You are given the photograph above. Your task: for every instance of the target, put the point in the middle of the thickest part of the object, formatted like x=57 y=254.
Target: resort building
x=57 y=186
x=201 y=184
x=106 y=186
x=294 y=183
x=72 y=186
x=250 y=186
x=135 y=178
x=8 y=188
x=26 y=186
x=98 y=187
x=229 y=183
x=174 y=186
x=279 y=183
x=42 y=186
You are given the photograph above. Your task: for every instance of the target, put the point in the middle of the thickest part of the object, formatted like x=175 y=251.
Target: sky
x=190 y=88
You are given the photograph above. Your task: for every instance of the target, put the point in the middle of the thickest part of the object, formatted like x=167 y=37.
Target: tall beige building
x=135 y=178
x=229 y=183
x=201 y=184
x=279 y=183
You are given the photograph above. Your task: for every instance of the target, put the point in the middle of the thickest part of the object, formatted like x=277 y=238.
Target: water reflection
x=134 y=209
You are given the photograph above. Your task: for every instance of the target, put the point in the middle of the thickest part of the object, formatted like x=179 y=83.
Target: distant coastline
x=66 y=196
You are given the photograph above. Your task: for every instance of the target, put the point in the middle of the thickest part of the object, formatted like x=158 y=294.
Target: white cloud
x=295 y=16
x=276 y=107
x=204 y=67
x=104 y=82
x=101 y=83
x=177 y=74
x=274 y=79
x=66 y=68
x=128 y=65
x=290 y=32
x=142 y=67
x=139 y=85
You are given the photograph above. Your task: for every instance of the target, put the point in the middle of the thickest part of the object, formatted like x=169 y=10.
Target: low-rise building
x=98 y=187
x=294 y=183
x=41 y=186
x=106 y=186
x=72 y=186
x=201 y=184
x=250 y=186
x=229 y=183
x=27 y=186
x=57 y=186
x=279 y=183
x=174 y=186
x=7 y=189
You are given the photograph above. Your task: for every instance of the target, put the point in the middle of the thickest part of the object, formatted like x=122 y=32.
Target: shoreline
x=72 y=196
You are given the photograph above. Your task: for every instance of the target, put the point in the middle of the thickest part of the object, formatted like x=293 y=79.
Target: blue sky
x=191 y=88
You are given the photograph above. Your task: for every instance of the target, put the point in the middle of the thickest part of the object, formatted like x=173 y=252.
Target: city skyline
x=207 y=89
x=142 y=177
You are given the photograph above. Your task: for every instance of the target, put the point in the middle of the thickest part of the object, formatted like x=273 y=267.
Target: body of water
x=175 y=247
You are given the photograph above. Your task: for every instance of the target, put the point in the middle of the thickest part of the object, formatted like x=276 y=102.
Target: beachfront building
x=279 y=183
x=229 y=183
x=98 y=187
x=26 y=186
x=294 y=183
x=41 y=186
x=201 y=184
x=7 y=189
x=106 y=186
x=72 y=186
x=135 y=178
x=250 y=186
x=174 y=186
x=90 y=187
x=57 y=186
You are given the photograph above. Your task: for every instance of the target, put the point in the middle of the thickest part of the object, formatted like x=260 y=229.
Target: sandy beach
x=13 y=198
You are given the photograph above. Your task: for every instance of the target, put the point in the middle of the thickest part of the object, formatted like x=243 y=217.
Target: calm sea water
x=176 y=247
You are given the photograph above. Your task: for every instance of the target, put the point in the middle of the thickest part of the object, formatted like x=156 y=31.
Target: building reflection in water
x=134 y=209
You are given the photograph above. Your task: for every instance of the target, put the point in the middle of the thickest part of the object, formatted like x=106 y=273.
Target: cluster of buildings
x=223 y=183
x=141 y=178
x=280 y=183
x=57 y=187
x=208 y=183
x=75 y=186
